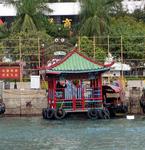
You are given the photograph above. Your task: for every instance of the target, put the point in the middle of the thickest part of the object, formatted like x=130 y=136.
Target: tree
x=57 y=30
x=133 y=40
x=87 y=48
x=4 y=32
x=116 y=8
x=30 y=15
x=139 y=14
x=53 y=1
x=29 y=44
x=95 y=17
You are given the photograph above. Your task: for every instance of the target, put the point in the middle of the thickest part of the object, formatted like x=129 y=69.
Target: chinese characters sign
x=9 y=72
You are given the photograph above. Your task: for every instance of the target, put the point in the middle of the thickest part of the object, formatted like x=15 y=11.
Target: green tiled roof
x=76 y=62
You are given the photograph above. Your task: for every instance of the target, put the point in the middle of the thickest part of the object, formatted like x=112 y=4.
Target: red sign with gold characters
x=9 y=72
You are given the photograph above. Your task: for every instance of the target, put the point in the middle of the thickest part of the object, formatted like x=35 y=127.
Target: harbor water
x=34 y=133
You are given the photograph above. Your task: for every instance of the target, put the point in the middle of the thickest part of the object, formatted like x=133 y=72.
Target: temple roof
x=75 y=62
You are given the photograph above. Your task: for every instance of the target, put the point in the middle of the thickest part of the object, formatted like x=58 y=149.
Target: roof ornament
x=109 y=59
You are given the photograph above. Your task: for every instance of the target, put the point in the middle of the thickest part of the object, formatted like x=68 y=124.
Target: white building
x=59 y=9
x=131 y=5
x=69 y=8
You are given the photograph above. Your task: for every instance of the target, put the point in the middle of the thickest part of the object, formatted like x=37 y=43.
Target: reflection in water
x=38 y=134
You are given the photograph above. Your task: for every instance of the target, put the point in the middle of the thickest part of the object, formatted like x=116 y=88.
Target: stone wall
x=24 y=101
x=133 y=95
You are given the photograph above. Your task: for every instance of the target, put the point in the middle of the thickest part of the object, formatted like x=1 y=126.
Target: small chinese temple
x=75 y=85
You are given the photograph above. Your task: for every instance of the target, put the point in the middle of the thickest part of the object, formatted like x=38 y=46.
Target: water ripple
x=38 y=134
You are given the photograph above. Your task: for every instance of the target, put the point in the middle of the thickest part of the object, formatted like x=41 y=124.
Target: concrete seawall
x=23 y=100
x=133 y=93
x=26 y=101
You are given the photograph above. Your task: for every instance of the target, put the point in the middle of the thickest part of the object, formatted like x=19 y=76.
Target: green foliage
x=29 y=14
x=28 y=43
x=132 y=33
x=24 y=23
x=95 y=17
x=116 y=8
x=139 y=14
x=4 y=32
x=52 y=1
x=100 y=54
x=57 y=30
x=87 y=47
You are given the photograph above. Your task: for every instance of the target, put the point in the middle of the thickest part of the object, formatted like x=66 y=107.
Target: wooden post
x=20 y=57
x=79 y=43
x=94 y=46
x=21 y=72
x=108 y=41
x=121 y=58
x=38 y=51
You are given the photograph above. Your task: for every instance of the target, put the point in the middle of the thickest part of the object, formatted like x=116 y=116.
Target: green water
x=38 y=134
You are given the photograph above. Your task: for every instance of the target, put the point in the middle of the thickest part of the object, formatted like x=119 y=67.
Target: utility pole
x=121 y=57
x=94 y=46
x=79 y=43
x=108 y=41
x=39 y=52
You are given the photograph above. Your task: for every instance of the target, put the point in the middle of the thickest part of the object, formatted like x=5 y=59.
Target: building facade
x=64 y=9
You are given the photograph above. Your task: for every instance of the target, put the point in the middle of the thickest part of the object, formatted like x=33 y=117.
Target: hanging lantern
x=51 y=20
x=67 y=23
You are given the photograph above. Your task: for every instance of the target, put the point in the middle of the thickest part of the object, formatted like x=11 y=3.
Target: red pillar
x=50 y=93
x=74 y=103
x=54 y=93
x=83 y=97
x=48 y=97
x=100 y=86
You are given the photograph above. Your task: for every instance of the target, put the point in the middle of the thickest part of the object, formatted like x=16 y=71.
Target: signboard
x=35 y=82
x=9 y=72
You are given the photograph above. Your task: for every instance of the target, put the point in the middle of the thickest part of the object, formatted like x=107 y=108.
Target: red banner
x=9 y=72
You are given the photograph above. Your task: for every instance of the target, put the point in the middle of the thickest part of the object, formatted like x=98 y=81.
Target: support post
x=54 y=93
x=20 y=57
x=100 y=87
x=108 y=41
x=83 y=96
x=74 y=103
x=43 y=56
x=39 y=52
x=79 y=43
x=21 y=72
x=94 y=46
x=121 y=58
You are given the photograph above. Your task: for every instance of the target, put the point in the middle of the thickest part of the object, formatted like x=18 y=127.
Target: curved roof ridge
x=75 y=51
x=63 y=60
x=97 y=63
